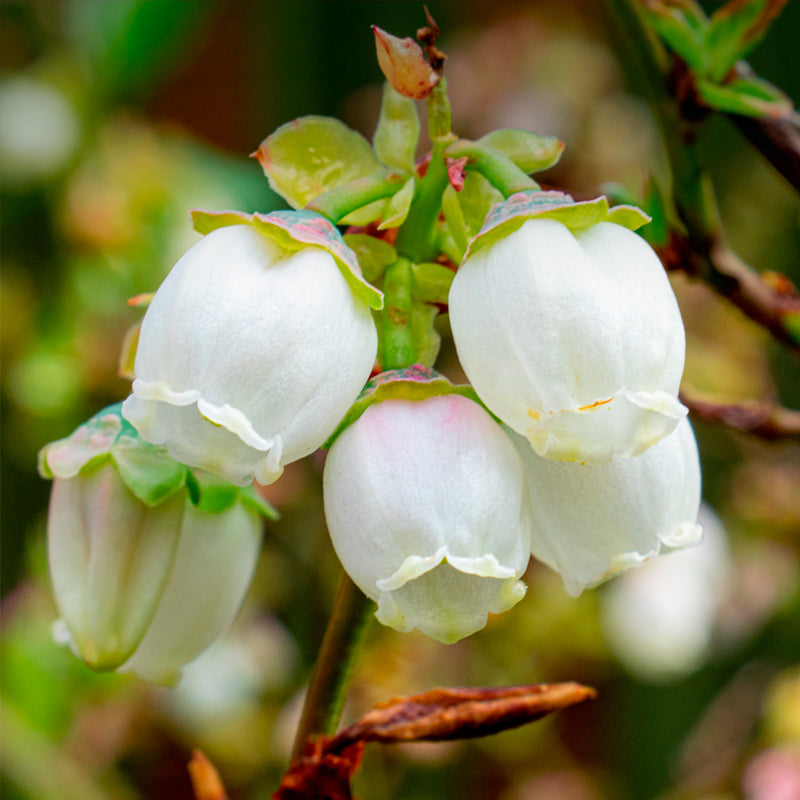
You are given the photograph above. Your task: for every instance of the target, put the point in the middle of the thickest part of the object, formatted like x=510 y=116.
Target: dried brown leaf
x=205 y=779
x=444 y=714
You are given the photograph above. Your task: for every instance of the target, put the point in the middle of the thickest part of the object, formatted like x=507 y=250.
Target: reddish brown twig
x=772 y=301
x=767 y=420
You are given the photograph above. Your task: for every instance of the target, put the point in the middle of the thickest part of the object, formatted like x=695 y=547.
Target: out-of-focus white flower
x=660 y=618
x=39 y=130
x=591 y=521
x=249 y=355
x=145 y=573
x=427 y=510
x=574 y=340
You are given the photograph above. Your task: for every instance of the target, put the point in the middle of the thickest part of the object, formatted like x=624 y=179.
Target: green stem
x=351 y=612
x=337 y=203
x=417 y=235
x=397 y=338
x=495 y=166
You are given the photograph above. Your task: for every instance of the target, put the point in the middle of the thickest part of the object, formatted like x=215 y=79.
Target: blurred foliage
x=118 y=117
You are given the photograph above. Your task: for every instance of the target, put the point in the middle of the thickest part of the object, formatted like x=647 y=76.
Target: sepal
x=148 y=470
x=412 y=383
x=505 y=218
x=294 y=230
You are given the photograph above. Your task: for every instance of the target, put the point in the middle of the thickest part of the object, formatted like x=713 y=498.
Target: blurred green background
x=116 y=118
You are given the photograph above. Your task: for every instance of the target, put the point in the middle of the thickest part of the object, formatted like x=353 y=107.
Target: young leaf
x=529 y=151
x=395 y=139
x=311 y=155
x=735 y=29
x=751 y=97
x=397 y=208
x=682 y=25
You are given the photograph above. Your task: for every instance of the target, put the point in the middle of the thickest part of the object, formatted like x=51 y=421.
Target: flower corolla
x=146 y=573
x=428 y=512
x=591 y=521
x=249 y=354
x=573 y=339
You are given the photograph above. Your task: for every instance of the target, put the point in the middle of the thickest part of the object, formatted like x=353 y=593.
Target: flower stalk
x=351 y=613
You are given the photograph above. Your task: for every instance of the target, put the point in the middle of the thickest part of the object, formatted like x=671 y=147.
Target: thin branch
x=778 y=140
x=766 y=420
x=773 y=304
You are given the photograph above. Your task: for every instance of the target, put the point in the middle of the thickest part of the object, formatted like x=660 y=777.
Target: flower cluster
x=571 y=444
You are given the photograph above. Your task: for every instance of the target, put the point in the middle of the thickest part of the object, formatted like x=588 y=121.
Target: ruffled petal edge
x=626 y=424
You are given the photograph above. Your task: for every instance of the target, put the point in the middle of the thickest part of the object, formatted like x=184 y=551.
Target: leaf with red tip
x=403 y=63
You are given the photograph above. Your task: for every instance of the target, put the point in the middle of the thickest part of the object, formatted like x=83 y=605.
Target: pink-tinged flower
x=428 y=511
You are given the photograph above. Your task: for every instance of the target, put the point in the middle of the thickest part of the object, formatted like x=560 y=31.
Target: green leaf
x=148 y=470
x=395 y=139
x=431 y=282
x=477 y=199
x=371 y=212
x=454 y=217
x=253 y=501
x=682 y=25
x=751 y=97
x=397 y=208
x=311 y=155
x=373 y=254
x=732 y=33
x=529 y=151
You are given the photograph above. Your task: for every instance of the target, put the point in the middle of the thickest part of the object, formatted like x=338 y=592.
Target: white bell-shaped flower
x=214 y=563
x=428 y=511
x=591 y=521
x=574 y=340
x=249 y=355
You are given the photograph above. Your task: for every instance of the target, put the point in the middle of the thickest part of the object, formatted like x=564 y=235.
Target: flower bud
x=144 y=570
x=573 y=339
x=249 y=355
x=426 y=505
x=110 y=556
x=214 y=563
x=593 y=521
